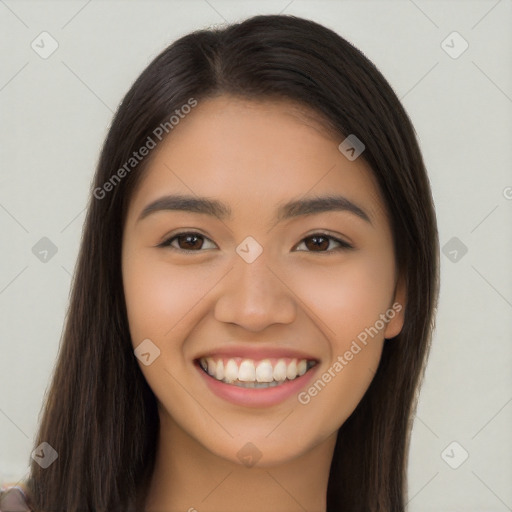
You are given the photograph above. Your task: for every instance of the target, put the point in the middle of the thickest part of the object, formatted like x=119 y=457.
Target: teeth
x=291 y=371
x=280 y=370
x=302 y=367
x=256 y=384
x=255 y=375
x=212 y=366
x=219 y=374
x=247 y=372
x=231 y=371
x=264 y=371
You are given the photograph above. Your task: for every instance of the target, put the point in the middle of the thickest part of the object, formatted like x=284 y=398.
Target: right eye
x=189 y=239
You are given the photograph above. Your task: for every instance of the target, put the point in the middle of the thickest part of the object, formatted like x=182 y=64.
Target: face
x=262 y=323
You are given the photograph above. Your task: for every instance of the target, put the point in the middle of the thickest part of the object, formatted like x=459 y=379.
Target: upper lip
x=257 y=352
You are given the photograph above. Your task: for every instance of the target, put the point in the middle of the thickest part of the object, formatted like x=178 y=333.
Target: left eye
x=322 y=241
x=193 y=242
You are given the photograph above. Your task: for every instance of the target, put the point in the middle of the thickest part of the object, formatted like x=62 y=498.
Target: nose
x=255 y=295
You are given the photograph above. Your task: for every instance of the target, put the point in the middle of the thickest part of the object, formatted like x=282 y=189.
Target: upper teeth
x=248 y=370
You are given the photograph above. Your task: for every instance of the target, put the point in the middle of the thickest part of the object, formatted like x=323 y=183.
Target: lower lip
x=253 y=397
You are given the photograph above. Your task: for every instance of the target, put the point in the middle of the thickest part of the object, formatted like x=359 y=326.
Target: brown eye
x=194 y=242
x=187 y=241
x=319 y=242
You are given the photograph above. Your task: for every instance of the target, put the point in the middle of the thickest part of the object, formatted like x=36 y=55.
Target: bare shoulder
x=13 y=497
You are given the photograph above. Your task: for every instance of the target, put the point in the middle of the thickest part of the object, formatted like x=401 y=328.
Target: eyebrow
x=213 y=207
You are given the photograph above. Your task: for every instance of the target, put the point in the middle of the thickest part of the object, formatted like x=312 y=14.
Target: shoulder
x=13 y=497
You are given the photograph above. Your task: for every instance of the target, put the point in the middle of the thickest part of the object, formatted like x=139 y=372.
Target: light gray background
x=55 y=113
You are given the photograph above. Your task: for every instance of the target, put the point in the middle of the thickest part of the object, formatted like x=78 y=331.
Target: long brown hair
x=99 y=413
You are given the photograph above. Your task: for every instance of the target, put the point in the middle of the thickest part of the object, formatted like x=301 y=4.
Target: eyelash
x=343 y=245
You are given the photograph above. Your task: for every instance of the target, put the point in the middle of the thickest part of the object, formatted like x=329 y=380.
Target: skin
x=254 y=156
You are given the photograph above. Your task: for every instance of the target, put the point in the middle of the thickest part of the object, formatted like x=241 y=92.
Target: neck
x=188 y=477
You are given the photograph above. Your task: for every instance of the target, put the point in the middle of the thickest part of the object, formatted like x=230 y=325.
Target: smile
x=251 y=373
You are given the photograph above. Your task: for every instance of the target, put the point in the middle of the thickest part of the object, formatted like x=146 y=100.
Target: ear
x=396 y=312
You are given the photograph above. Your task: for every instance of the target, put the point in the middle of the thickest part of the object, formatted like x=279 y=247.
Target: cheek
x=347 y=297
x=347 y=303
x=160 y=301
x=158 y=295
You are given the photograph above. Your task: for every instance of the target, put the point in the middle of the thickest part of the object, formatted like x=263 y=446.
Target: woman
x=218 y=359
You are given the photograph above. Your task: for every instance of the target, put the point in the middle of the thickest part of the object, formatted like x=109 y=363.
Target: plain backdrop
x=55 y=112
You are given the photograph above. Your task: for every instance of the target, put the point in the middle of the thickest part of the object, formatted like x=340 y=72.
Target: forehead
x=266 y=150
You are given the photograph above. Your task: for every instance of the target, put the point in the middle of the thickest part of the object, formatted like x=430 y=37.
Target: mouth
x=249 y=373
